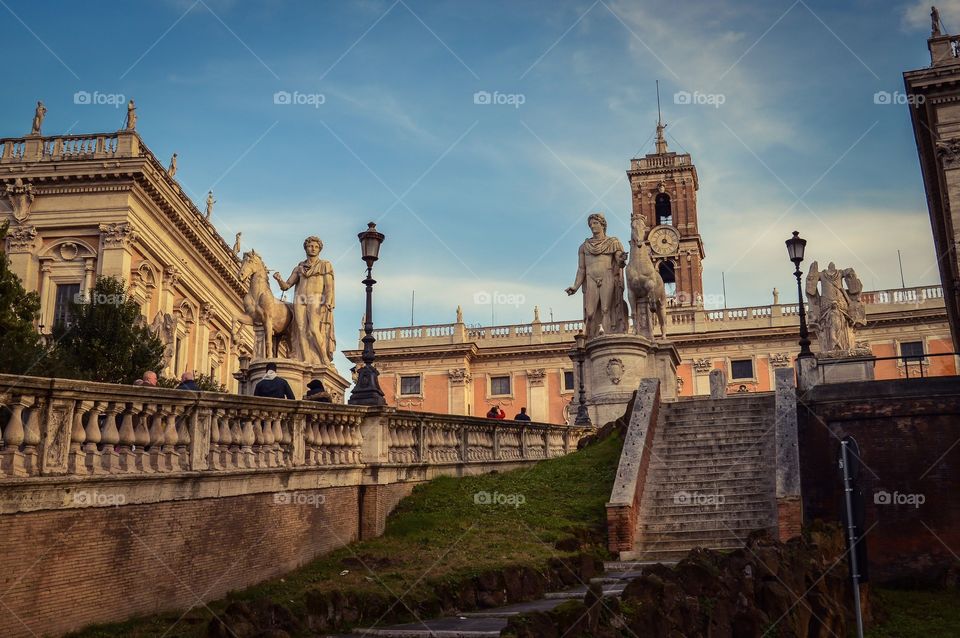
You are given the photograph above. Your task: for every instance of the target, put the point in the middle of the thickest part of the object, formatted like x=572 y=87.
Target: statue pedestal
x=842 y=369
x=614 y=367
x=298 y=374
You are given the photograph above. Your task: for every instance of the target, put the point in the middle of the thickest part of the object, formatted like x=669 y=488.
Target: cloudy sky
x=797 y=123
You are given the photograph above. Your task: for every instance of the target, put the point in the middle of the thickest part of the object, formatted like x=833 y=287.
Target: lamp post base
x=367 y=391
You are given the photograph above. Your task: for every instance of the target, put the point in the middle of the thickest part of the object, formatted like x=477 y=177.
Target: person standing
x=522 y=415
x=187 y=382
x=273 y=386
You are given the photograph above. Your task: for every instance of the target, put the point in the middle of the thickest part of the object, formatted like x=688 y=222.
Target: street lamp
x=795 y=246
x=367 y=391
x=578 y=355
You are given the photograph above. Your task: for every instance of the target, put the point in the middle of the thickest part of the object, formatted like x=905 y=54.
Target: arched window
x=669 y=276
x=664 y=213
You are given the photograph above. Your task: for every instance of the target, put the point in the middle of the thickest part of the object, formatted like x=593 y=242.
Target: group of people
x=496 y=412
x=271 y=385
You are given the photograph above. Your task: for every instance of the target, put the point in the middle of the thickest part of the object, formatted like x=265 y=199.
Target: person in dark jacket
x=187 y=382
x=316 y=392
x=273 y=386
x=522 y=416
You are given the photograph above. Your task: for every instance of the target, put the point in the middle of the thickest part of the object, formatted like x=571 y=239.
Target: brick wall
x=789 y=517
x=64 y=569
x=908 y=432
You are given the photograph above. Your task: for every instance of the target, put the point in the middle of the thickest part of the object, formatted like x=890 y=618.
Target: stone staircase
x=711 y=479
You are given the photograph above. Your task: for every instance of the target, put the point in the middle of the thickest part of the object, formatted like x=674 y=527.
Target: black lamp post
x=795 y=246
x=578 y=355
x=367 y=391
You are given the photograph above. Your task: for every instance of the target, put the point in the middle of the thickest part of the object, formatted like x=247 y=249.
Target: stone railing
x=680 y=321
x=66 y=147
x=56 y=427
x=667 y=160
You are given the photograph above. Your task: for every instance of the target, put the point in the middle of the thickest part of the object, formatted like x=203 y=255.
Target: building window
x=66 y=293
x=912 y=351
x=499 y=385
x=741 y=369
x=662 y=209
x=568 y=380
x=410 y=385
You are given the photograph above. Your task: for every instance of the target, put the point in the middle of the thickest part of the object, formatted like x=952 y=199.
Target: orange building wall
x=436 y=396
x=885 y=369
x=685 y=372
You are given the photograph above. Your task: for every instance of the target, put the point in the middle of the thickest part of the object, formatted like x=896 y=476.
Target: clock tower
x=664 y=191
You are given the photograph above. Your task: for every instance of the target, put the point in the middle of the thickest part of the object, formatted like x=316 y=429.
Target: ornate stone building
x=82 y=206
x=934 y=103
x=455 y=369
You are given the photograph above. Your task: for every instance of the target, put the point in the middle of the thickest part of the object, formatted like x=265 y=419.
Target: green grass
x=438 y=536
x=917 y=614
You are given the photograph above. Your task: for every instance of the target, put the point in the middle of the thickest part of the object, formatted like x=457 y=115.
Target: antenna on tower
x=659 y=118
x=661 y=142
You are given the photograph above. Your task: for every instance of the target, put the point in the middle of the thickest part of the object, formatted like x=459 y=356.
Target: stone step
x=694 y=434
x=710 y=541
x=669 y=556
x=630 y=565
x=722 y=483
x=672 y=456
x=544 y=604
x=732 y=503
x=677 y=531
x=616 y=576
x=609 y=589
x=716 y=420
x=452 y=627
x=731 y=515
x=716 y=446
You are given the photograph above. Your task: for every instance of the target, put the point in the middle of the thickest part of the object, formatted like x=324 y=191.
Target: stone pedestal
x=845 y=369
x=614 y=367
x=298 y=375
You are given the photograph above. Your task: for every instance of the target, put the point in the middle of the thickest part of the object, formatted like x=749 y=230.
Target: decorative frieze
x=615 y=370
x=702 y=366
x=949 y=152
x=536 y=376
x=459 y=376
x=780 y=359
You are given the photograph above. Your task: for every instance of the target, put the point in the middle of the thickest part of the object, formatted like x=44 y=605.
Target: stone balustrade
x=680 y=321
x=57 y=427
x=66 y=147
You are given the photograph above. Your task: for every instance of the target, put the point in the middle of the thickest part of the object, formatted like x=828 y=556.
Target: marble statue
x=210 y=202
x=38 y=116
x=165 y=327
x=131 y=116
x=648 y=297
x=835 y=308
x=459 y=314
x=934 y=22
x=776 y=297
x=601 y=261
x=172 y=169
x=236 y=244
x=313 y=305
x=261 y=308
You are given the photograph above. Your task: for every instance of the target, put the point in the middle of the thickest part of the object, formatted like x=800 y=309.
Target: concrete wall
x=907 y=431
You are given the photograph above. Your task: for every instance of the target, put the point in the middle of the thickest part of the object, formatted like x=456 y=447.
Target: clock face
x=664 y=240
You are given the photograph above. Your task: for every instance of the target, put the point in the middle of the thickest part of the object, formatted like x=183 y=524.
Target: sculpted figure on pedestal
x=835 y=308
x=313 y=305
x=261 y=308
x=131 y=116
x=38 y=116
x=600 y=273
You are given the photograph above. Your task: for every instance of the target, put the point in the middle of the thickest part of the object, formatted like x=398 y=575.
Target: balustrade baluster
x=127 y=438
x=78 y=435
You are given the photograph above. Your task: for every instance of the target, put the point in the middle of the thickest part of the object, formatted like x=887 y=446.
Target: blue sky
x=493 y=198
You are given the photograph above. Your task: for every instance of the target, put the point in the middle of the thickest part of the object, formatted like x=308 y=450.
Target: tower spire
x=661 y=141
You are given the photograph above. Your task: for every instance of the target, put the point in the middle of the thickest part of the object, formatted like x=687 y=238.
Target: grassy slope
x=439 y=534
x=918 y=614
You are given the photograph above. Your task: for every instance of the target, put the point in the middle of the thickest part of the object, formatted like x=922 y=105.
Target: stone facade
x=83 y=206
x=455 y=364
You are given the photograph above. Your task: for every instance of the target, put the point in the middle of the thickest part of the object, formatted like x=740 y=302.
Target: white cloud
x=917 y=15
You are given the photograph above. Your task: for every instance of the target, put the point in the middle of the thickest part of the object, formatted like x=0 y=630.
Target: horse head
x=250 y=264
x=638 y=227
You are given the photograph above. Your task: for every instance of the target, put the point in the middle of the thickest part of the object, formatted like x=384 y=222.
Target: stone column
x=115 y=257
x=88 y=272
x=537 y=404
x=789 y=502
x=459 y=390
x=46 y=309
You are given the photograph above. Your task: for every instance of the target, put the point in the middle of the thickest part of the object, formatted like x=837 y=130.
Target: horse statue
x=261 y=308
x=644 y=283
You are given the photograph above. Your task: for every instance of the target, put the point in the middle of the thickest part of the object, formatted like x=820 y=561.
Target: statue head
x=312 y=245
x=596 y=220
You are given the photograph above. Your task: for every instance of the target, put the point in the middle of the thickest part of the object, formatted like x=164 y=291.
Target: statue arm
x=289 y=283
x=329 y=289
x=812 y=277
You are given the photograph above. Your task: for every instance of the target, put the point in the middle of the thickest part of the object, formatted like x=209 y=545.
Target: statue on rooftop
x=210 y=202
x=601 y=261
x=172 y=169
x=236 y=244
x=934 y=22
x=313 y=304
x=131 y=116
x=835 y=308
x=38 y=116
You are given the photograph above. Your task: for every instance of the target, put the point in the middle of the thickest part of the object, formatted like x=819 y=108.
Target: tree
x=106 y=339
x=21 y=347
